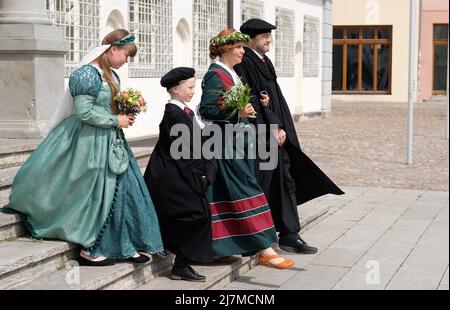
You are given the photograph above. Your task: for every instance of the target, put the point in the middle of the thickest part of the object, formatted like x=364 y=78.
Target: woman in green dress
x=241 y=218
x=66 y=190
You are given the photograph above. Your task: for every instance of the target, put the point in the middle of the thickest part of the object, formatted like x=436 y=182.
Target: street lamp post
x=412 y=25
x=446 y=126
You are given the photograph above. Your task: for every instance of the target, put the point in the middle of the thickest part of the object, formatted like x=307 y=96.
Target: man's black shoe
x=296 y=246
x=186 y=273
x=86 y=262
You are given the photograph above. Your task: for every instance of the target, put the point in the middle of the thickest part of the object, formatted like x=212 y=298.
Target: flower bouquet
x=130 y=101
x=235 y=98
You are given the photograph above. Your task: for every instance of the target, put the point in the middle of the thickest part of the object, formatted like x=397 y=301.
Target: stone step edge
x=11 y=228
x=56 y=248
x=119 y=276
x=20 y=146
x=7 y=174
x=236 y=269
x=217 y=276
x=13 y=160
x=306 y=223
x=35 y=263
x=11 y=147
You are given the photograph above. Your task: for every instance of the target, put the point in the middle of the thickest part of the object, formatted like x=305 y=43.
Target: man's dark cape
x=310 y=181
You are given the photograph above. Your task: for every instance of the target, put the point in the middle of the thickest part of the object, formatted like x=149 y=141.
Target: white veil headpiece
x=65 y=107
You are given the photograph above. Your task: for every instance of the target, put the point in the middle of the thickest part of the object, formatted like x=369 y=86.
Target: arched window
x=210 y=17
x=251 y=9
x=80 y=22
x=284 y=42
x=151 y=23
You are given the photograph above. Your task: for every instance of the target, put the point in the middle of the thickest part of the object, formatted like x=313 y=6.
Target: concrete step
x=13 y=152
x=13 y=160
x=31 y=264
x=4 y=195
x=217 y=276
x=7 y=175
x=28 y=264
x=12 y=229
x=23 y=260
x=119 y=276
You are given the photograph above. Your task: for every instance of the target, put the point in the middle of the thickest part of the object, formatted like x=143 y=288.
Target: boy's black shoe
x=186 y=273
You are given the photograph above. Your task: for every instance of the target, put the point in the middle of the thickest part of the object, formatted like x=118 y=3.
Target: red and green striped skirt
x=241 y=218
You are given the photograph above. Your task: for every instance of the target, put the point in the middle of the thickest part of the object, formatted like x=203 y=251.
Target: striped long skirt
x=241 y=218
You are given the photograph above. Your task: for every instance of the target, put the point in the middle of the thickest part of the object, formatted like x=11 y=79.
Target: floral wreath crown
x=126 y=40
x=229 y=39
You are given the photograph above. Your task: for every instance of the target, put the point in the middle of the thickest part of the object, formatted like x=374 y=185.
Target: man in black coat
x=296 y=179
x=178 y=183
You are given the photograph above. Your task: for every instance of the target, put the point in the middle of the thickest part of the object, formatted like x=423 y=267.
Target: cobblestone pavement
x=365 y=144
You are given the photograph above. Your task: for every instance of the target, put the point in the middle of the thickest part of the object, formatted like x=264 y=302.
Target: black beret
x=176 y=75
x=256 y=26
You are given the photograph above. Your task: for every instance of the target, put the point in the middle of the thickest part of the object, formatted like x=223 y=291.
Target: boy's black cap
x=176 y=75
x=255 y=26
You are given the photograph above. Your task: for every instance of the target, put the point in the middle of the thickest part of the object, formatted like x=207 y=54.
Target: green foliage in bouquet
x=235 y=98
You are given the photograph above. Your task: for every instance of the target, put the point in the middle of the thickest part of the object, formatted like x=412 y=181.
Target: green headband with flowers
x=230 y=39
x=126 y=40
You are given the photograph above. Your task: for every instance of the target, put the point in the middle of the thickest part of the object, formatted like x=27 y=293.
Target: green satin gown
x=65 y=190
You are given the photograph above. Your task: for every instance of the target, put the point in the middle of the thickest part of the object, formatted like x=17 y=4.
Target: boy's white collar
x=179 y=104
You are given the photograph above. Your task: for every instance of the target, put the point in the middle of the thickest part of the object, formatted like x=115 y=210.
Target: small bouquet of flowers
x=235 y=98
x=130 y=101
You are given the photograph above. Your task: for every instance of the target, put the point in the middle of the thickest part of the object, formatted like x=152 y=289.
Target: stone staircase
x=34 y=264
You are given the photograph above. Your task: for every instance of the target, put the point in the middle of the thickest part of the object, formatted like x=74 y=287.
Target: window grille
x=362 y=59
x=151 y=23
x=284 y=42
x=210 y=17
x=311 y=46
x=251 y=9
x=80 y=22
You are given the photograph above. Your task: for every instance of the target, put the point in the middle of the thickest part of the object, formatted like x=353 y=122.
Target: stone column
x=31 y=68
x=327 y=54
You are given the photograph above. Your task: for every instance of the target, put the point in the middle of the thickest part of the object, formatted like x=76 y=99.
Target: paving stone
x=420 y=215
x=349 y=215
x=315 y=277
x=445 y=279
x=338 y=257
x=359 y=238
x=265 y=277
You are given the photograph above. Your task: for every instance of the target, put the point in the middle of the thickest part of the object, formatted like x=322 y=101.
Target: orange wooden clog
x=266 y=261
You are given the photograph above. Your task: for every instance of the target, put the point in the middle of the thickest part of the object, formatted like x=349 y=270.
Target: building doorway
x=440 y=50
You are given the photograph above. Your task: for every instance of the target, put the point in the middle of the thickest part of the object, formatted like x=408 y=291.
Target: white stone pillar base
x=31 y=78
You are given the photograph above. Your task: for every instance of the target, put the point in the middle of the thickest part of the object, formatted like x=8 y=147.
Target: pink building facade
x=433 y=49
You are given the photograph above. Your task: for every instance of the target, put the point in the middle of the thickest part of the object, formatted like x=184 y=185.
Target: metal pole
x=230 y=19
x=412 y=19
x=446 y=127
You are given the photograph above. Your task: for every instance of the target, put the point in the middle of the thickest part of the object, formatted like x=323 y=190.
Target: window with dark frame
x=362 y=59
x=440 y=47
